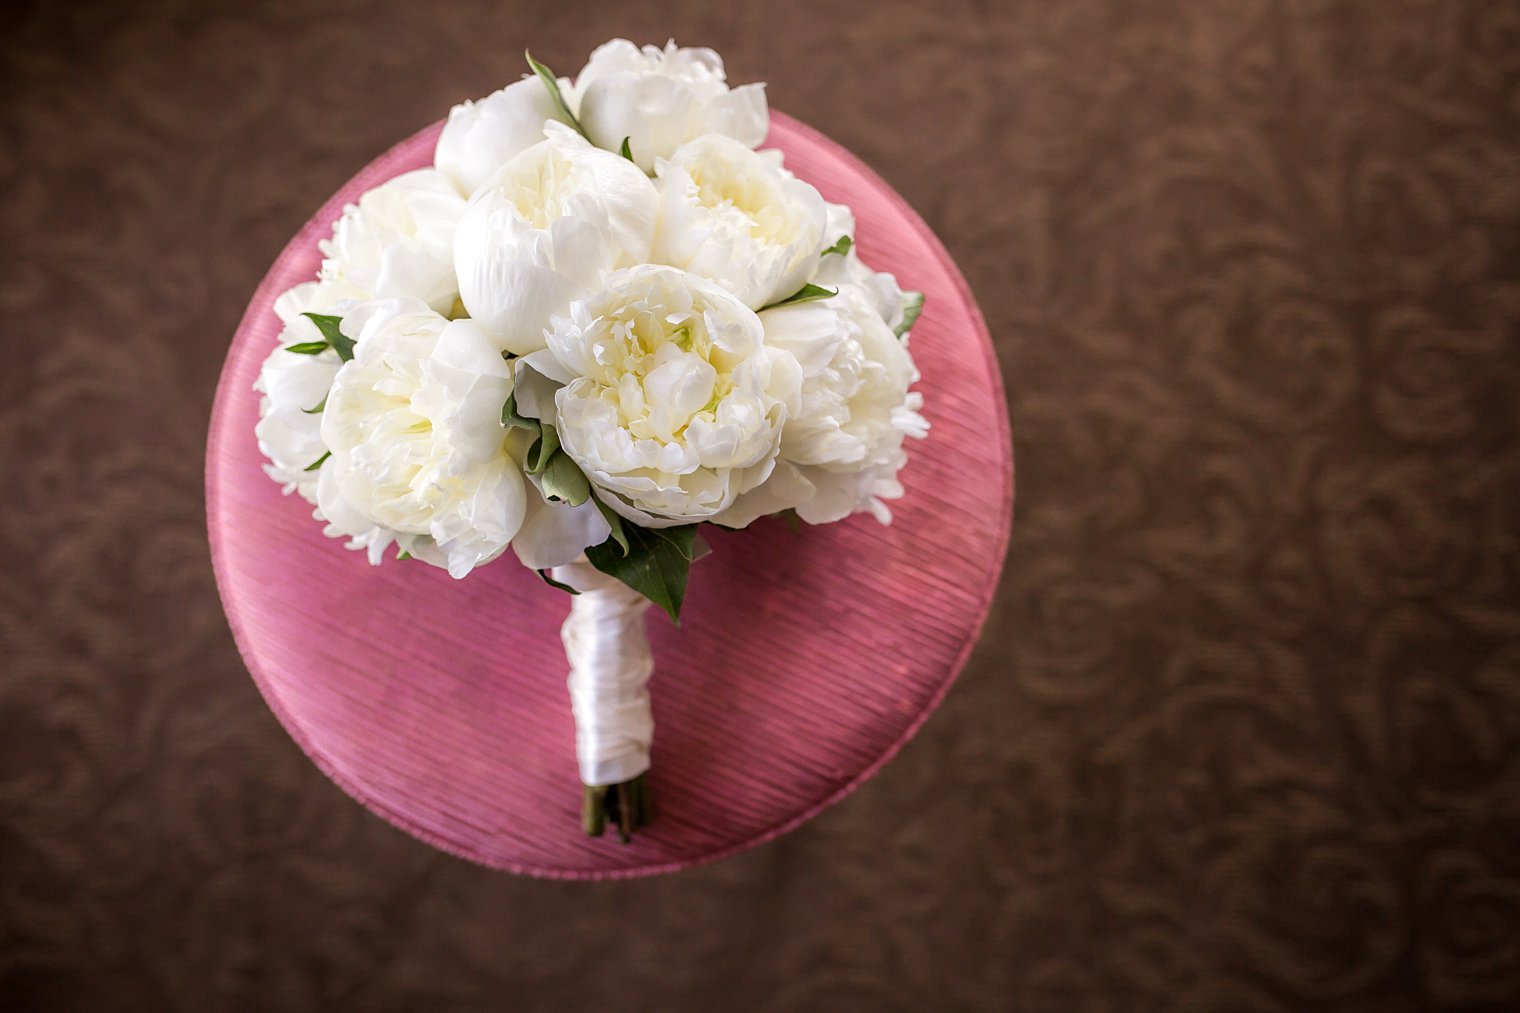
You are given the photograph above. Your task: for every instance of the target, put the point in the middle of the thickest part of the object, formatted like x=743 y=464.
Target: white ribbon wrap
x=610 y=664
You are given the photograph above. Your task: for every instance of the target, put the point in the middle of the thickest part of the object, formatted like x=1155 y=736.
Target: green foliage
x=656 y=563
x=842 y=247
x=551 y=82
x=913 y=305
x=331 y=335
x=558 y=584
x=807 y=293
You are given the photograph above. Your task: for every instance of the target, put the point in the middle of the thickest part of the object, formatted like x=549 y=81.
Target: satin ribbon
x=610 y=664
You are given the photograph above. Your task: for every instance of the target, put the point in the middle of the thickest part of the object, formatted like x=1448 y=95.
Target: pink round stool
x=803 y=662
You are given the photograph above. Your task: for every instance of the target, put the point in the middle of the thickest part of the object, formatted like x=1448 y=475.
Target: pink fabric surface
x=803 y=663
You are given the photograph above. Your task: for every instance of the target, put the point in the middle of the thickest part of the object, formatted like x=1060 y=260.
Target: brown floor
x=1244 y=731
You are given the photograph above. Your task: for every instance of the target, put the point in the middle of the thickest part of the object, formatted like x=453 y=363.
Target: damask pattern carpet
x=1243 y=732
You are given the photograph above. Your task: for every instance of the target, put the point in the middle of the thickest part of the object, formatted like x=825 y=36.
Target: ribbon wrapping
x=610 y=664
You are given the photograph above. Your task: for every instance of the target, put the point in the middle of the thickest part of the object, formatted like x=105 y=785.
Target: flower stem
x=626 y=805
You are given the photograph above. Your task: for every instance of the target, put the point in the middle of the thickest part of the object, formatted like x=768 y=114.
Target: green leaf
x=317 y=409
x=913 y=305
x=563 y=480
x=543 y=449
x=512 y=419
x=328 y=325
x=561 y=585
x=314 y=465
x=807 y=293
x=551 y=82
x=656 y=565
x=842 y=247
x=790 y=518
x=615 y=522
x=625 y=150
x=403 y=554
x=308 y=347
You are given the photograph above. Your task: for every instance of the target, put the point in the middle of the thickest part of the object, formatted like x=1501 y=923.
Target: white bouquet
x=600 y=320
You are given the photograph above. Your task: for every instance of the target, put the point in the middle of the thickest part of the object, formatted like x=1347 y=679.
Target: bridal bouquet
x=600 y=320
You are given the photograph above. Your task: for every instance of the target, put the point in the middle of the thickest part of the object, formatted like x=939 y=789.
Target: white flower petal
x=661 y=98
x=481 y=137
x=548 y=225
x=554 y=534
x=786 y=487
x=397 y=242
x=733 y=216
x=412 y=423
x=675 y=406
x=845 y=436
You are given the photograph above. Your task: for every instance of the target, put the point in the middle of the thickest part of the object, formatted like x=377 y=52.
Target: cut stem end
x=626 y=806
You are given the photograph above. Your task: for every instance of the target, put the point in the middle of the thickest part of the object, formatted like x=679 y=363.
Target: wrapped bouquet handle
x=607 y=646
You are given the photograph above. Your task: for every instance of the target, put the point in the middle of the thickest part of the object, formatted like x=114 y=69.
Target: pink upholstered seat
x=803 y=662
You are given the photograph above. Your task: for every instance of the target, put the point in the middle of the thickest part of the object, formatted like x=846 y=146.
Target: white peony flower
x=292 y=385
x=397 y=242
x=835 y=270
x=418 y=452
x=545 y=229
x=481 y=137
x=673 y=405
x=737 y=217
x=841 y=451
x=660 y=99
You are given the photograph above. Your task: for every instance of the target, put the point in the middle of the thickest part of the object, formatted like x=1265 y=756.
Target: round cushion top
x=804 y=660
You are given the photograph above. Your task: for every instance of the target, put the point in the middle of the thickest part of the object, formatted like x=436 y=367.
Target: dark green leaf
x=563 y=480
x=625 y=150
x=551 y=82
x=308 y=347
x=913 y=305
x=615 y=522
x=791 y=520
x=403 y=554
x=318 y=408
x=314 y=465
x=842 y=247
x=561 y=585
x=511 y=419
x=656 y=565
x=543 y=449
x=341 y=344
x=807 y=293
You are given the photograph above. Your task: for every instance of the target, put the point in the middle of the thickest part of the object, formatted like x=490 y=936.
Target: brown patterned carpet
x=1244 y=731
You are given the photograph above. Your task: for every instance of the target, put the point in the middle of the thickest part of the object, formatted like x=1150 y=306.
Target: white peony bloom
x=835 y=270
x=418 y=452
x=398 y=242
x=737 y=217
x=292 y=385
x=660 y=99
x=672 y=404
x=545 y=229
x=841 y=451
x=481 y=137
